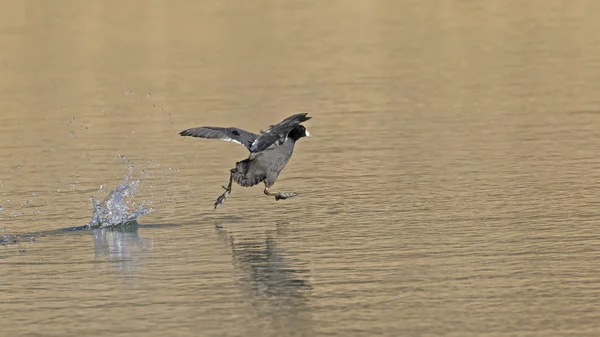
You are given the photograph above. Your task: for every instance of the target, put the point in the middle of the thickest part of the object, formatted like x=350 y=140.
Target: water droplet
x=115 y=209
x=33 y=193
x=101 y=187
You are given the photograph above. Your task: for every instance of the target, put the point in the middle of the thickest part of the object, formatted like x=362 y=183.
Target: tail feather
x=243 y=177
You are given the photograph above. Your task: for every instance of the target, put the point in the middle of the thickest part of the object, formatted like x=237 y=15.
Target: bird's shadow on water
x=277 y=285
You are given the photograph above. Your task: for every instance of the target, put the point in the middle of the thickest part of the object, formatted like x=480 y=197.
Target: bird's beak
x=307 y=133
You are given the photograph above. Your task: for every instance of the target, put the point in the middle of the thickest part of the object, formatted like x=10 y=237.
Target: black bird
x=269 y=152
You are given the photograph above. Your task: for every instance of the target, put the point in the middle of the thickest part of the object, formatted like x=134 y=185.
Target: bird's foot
x=285 y=195
x=222 y=197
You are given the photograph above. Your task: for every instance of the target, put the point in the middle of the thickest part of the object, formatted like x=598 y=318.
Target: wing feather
x=277 y=133
x=235 y=135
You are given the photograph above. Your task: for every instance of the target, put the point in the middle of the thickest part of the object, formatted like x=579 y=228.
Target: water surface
x=450 y=186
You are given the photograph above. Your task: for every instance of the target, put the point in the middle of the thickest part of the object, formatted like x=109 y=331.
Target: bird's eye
x=235 y=133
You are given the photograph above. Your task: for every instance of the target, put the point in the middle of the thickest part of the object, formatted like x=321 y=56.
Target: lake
x=450 y=186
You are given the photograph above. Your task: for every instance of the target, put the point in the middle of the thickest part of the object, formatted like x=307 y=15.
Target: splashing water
x=114 y=210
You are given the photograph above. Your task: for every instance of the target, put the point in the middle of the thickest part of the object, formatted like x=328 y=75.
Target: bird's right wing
x=277 y=132
x=235 y=135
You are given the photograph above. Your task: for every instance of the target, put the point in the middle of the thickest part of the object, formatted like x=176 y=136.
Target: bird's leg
x=227 y=188
x=280 y=195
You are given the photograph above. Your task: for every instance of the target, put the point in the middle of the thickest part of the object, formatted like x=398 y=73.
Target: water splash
x=114 y=210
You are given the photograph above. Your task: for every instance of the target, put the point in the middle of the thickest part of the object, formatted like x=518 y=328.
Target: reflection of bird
x=269 y=152
x=278 y=285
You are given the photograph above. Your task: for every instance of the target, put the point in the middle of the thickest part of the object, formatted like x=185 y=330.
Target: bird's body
x=270 y=151
x=265 y=166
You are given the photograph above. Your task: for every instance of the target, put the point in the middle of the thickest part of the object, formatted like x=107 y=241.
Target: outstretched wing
x=235 y=135
x=277 y=132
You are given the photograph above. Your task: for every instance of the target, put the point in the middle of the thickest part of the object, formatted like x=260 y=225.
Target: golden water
x=450 y=186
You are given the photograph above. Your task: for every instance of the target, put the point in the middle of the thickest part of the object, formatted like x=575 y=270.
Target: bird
x=269 y=152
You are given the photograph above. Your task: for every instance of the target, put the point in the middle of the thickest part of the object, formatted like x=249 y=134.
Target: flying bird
x=269 y=151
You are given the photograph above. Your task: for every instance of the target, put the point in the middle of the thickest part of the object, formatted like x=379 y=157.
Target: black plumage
x=270 y=151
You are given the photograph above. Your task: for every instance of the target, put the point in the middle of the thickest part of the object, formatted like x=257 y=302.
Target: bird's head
x=299 y=132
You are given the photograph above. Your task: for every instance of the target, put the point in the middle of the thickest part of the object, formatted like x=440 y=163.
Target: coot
x=269 y=152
